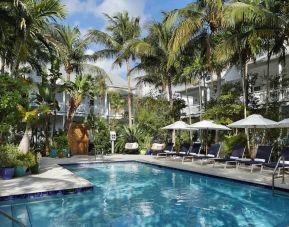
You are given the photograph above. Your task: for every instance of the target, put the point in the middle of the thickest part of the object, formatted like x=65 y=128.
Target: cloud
x=134 y=7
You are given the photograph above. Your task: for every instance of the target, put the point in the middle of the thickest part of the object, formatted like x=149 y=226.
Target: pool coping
x=77 y=190
x=261 y=185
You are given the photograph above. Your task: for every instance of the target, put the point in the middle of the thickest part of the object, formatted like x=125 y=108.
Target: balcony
x=193 y=110
x=279 y=95
x=82 y=110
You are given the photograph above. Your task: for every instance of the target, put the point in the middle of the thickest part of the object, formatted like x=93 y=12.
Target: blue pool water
x=134 y=194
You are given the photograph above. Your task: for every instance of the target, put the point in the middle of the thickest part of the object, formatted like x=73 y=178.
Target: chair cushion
x=259 y=160
x=131 y=146
x=233 y=157
x=158 y=146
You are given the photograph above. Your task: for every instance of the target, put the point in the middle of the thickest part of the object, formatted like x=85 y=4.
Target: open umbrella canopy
x=254 y=121
x=178 y=125
x=209 y=125
x=283 y=124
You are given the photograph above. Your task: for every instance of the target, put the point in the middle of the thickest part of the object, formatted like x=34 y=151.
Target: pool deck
x=54 y=177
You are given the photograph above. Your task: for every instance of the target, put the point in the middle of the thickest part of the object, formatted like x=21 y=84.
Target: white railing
x=83 y=109
x=274 y=95
x=191 y=110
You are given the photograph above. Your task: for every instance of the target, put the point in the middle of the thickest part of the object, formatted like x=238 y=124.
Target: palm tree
x=121 y=29
x=200 y=21
x=70 y=47
x=82 y=87
x=24 y=23
x=154 y=52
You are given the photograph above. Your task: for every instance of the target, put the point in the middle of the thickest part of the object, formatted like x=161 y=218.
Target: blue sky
x=88 y=14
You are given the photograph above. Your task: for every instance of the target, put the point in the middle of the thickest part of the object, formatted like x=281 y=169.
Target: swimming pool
x=135 y=194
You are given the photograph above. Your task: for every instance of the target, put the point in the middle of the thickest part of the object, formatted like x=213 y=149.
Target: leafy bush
x=231 y=141
x=27 y=160
x=128 y=135
x=61 y=141
x=8 y=155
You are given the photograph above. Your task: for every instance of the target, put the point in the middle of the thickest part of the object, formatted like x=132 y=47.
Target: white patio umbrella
x=254 y=121
x=178 y=125
x=283 y=124
x=207 y=125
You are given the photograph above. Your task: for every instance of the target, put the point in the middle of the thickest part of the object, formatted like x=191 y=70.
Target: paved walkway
x=55 y=177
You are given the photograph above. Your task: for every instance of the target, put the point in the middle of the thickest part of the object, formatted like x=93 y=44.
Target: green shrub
x=60 y=141
x=27 y=160
x=128 y=135
x=231 y=141
x=8 y=155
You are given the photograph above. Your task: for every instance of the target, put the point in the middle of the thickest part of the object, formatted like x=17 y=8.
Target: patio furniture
x=213 y=152
x=237 y=153
x=157 y=148
x=196 y=149
x=168 y=150
x=263 y=156
x=283 y=161
x=131 y=148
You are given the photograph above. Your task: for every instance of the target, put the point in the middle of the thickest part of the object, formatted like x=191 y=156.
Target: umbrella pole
x=254 y=142
x=206 y=141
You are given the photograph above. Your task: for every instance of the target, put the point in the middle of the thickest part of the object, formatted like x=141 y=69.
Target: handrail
x=11 y=218
x=282 y=158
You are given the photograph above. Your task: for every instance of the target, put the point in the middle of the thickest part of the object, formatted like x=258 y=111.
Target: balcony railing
x=191 y=110
x=278 y=95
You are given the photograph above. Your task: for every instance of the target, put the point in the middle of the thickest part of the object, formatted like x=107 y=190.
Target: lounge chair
x=167 y=151
x=237 y=153
x=213 y=152
x=263 y=156
x=185 y=148
x=195 y=150
x=157 y=148
x=131 y=148
x=271 y=166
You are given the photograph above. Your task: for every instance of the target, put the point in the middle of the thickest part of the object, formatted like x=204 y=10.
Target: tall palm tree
x=199 y=20
x=70 y=47
x=154 y=52
x=24 y=23
x=121 y=29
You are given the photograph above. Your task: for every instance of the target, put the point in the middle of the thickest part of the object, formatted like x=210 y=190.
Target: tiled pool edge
x=261 y=185
x=46 y=193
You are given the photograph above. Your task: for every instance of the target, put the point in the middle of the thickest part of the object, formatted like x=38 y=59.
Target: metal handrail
x=11 y=218
x=282 y=158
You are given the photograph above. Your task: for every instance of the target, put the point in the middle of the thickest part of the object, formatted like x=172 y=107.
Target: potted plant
x=24 y=161
x=35 y=169
x=53 y=149
x=8 y=156
x=61 y=145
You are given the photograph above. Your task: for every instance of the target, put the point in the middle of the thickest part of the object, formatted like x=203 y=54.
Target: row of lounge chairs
x=235 y=158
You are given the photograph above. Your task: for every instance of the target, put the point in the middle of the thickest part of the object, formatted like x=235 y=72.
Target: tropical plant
x=128 y=135
x=121 y=30
x=117 y=102
x=8 y=155
x=13 y=92
x=27 y=160
x=82 y=87
x=23 y=25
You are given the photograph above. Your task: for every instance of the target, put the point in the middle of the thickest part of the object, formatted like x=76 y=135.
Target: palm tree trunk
x=170 y=92
x=219 y=84
x=129 y=95
x=267 y=81
x=25 y=141
x=189 y=110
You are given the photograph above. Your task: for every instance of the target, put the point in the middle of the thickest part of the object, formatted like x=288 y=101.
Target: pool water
x=135 y=194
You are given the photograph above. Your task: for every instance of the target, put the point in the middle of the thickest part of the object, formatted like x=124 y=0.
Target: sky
x=88 y=14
